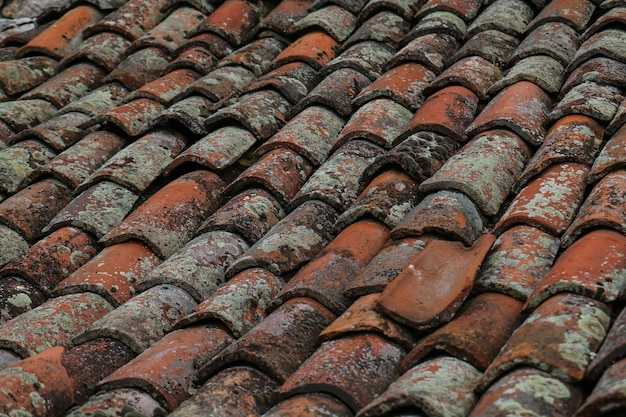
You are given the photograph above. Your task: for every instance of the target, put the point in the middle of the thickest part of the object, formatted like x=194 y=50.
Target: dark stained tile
x=187 y=115
x=199 y=266
x=67 y=86
x=238 y=391
x=475 y=73
x=560 y=337
x=221 y=83
x=442 y=22
x=522 y=107
x=336 y=91
x=196 y=58
x=440 y=386
x=96 y=210
x=211 y=43
x=171 y=32
x=363 y=366
x=80 y=160
x=257 y=56
x=293 y=241
x=385 y=26
x=233 y=20
x=23 y=74
x=517 y=391
x=17 y=296
x=280 y=19
x=164 y=89
x=19 y=161
x=97 y=101
x=542 y=70
x=406 y=9
x=554 y=39
x=113 y=273
x=447 y=213
x=387 y=198
x=262 y=112
x=602 y=44
x=37 y=385
x=417 y=296
x=571 y=139
x=57 y=321
x=310 y=405
x=476 y=335
x=611 y=351
x=170 y=217
x=367 y=57
x=63 y=36
x=88 y=363
x=607 y=397
x=549 y=202
x=592 y=267
x=448 y=111
x=131 y=20
x=239 y=304
x=590 y=99
x=139 y=68
x=420 y=155
x=385 y=266
x=217 y=150
x=618 y=120
x=404 y=84
x=575 y=13
x=279 y=343
x=466 y=9
x=363 y=317
x=611 y=18
x=508 y=16
x=431 y=50
x=143 y=320
x=332 y=19
x=166 y=369
x=59 y=133
x=484 y=170
x=603 y=208
x=336 y=182
x=134 y=118
x=314 y=48
x=118 y=402
x=53 y=258
x=517 y=262
x=493 y=45
x=138 y=164
x=311 y=133
x=326 y=278
x=105 y=49
x=29 y=210
x=611 y=157
x=293 y=81
x=379 y=121
x=281 y=171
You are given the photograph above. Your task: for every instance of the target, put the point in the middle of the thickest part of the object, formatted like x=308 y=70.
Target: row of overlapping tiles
x=322 y=218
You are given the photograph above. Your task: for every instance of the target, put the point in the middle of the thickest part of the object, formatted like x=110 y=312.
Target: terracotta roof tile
x=516 y=391
x=607 y=395
x=541 y=344
x=342 y=258
x=441 y=387
x=550 y=201
x=434 y=304
x=350 y=357
x=240 y=388
x=484 y=170
x=113 y=273
x=277 y=349
x=312 y=128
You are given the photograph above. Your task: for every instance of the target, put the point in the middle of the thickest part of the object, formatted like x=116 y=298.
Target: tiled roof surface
x=313 y=208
